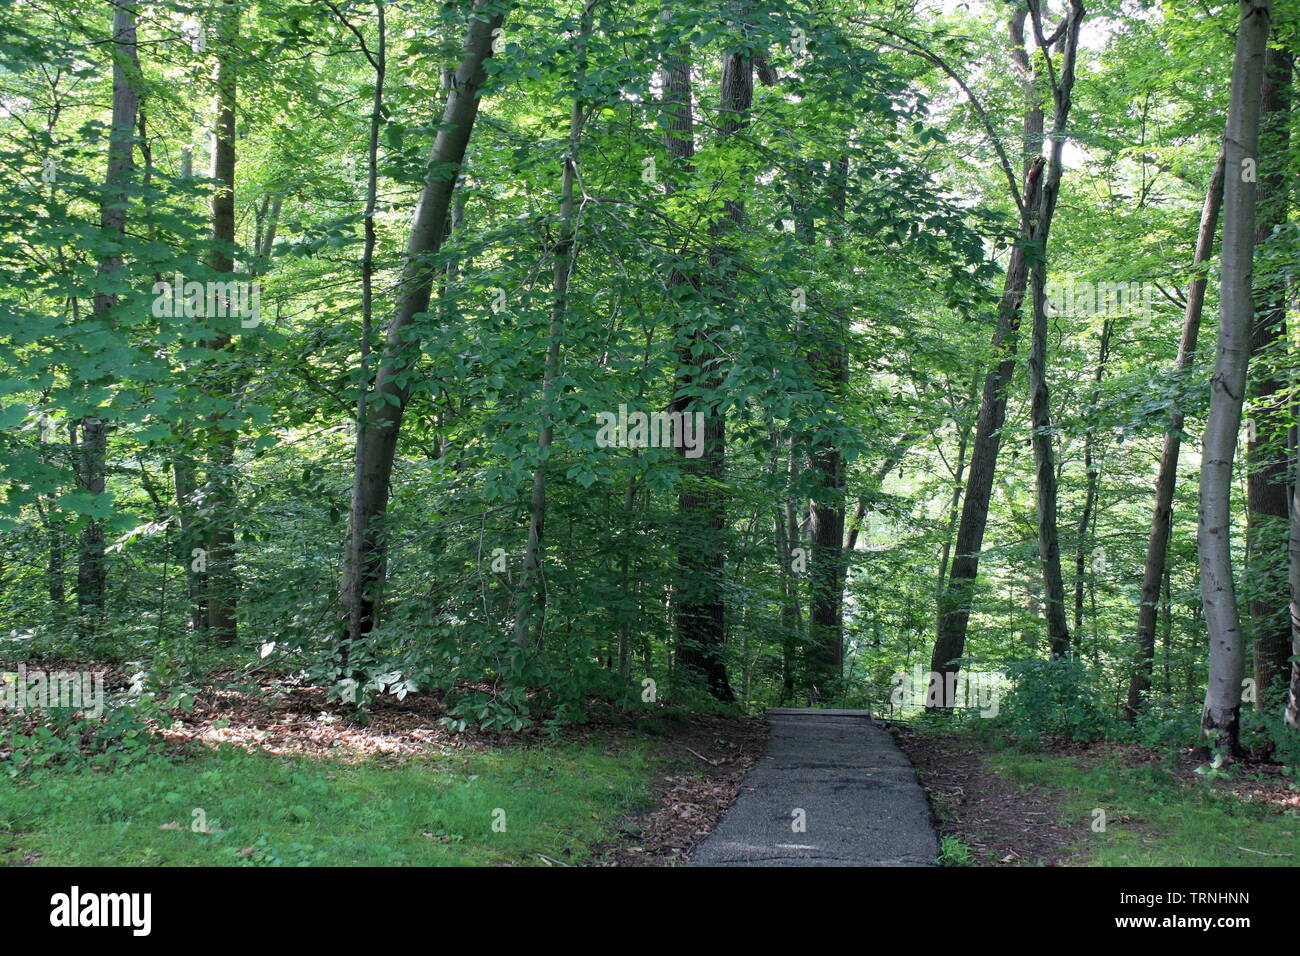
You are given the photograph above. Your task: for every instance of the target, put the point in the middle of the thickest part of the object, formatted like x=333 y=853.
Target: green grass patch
x=952 y=852
x=1157 y=818
x=508 y=806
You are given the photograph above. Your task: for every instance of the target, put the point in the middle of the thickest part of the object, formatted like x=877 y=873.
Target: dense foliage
x=808 y=253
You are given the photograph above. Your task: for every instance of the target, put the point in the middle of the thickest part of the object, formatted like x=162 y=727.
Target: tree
x=531 y=609
x=1221 y=713
x=222 y=592
x=698 y=602
x=1049 y=545
x=1154 y=567
x=93 y=444
x=1267 y=493
x=377 y=438
x=956 y=596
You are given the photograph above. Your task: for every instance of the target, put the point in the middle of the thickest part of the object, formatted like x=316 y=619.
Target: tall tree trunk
x=1092 y=472
x=1049 y=545
x=1292 y=713
x=379 y=63
x=189 y=536
x=222 y=579
x=54 y=521
x=956 y=596
x=699 y=609
x=530 y=613
x=1220 y=717
x=377 y=441
x=627 y=628
x=1167 y=473
x=1267 y=485
x=787 y=537
x=954 y=505
x=93 y=445
x=828 y=565
x=188 y=539
x=955 y=600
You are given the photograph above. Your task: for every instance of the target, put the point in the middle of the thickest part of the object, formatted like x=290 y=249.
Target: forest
x=511 y=400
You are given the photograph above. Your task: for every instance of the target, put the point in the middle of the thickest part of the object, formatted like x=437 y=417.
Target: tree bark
x=1267 y=485
x=530 y=612
x=93 y=445
x=1049 y=545
x=956 y=596
x=377 y=441
x=698 y=604
x=222 y=579
x=379 y=63
x=828 y=566
x=1090 y=494
x=955 y=600
x=1220 y=716
x=1167 y=473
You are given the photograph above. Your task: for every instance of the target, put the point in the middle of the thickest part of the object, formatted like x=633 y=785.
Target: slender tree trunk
x=222 y=579
x=1092 y=472
x=1167 y=473
x=270 y=225
x=92 y=448
x=1267 y=485
x=787 y=537
x=377 y=441
x=828 y=566
x=700 y=612
x=530 y=613
x=1292 y=713
x=955 y=600
x=625 y=570
x=55 y=569
x=56 y=533
x=1049 y=545
x=189 y=533
x=956 y=596
x=954 y=506
x=1220 y=718
x=356 y=543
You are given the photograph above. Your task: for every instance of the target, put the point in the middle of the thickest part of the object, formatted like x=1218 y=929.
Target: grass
x=952 y=852
x=509 y=806
x=1155 y=818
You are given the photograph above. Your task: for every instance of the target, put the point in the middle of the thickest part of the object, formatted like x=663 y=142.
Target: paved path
x=861 y=803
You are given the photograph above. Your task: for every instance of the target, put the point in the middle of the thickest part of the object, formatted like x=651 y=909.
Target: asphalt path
x=833 y=790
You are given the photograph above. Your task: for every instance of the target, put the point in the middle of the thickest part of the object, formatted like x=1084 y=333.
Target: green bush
x=1056 y=697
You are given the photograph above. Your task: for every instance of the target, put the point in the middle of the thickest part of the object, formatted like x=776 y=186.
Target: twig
x=711 y=763
x=1262 y=853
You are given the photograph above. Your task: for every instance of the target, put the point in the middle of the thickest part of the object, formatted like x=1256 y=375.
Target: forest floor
x=1101 y=804
x=265 y=771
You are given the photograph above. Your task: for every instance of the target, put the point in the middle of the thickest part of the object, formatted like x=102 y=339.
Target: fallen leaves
x=692 y=804
x=1003 y=823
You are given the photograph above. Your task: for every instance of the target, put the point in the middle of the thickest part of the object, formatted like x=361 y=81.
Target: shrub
x=1056 y=697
